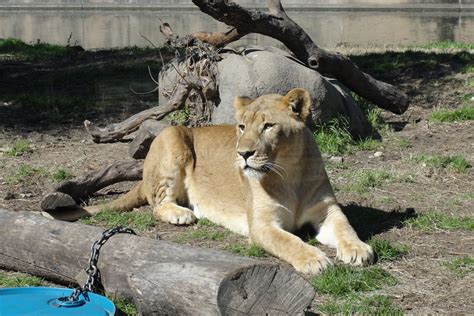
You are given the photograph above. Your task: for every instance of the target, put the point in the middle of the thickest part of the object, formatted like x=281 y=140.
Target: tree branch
x=117 y=131
x=278 y=25
x=216 y=39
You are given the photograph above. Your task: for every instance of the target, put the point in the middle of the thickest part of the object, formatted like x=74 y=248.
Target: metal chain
x=92 y=270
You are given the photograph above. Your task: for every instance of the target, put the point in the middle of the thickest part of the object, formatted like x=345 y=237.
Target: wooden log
x=277 y=24
x=162 y=278
x=57 y=200
x=82 y=187
x=147 y=132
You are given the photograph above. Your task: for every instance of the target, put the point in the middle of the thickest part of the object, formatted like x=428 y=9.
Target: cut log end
x=264 y=290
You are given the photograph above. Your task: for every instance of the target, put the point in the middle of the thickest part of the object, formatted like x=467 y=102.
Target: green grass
x=202 y=235
x=180 y=117
x=36 y=51
x=138 y=220
x=367 y=144
x=248 y=251
x=333 y=137
x=361 y=305
x=433 y=221
x=19 y=148
x=373 y=114
x=15 y=279
x=313 y=242
x=404 y=143
x=461 y=266
x=125 y=305
x=458 y=163
x=61 y=175
x=341 y=280
x=387 y=251
x=364 y=180
x=206 y=222
x=389 y=63
x=456 y=115
x=468 y=69
x=207 y=235
x=25 y=174
x=447 y=45
x=470 y=82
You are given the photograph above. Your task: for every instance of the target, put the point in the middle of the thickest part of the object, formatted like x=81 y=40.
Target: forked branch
x=216 y=39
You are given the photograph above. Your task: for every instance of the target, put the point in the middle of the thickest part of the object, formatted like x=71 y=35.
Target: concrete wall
x=323 y=4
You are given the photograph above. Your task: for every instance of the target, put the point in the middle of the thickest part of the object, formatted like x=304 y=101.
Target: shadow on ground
x=368 y=221
x=99 y=86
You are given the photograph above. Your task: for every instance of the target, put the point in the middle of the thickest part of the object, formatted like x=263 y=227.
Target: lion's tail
x=127 y=202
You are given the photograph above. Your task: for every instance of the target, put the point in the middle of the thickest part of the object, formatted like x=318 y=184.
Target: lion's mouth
x=255 y=172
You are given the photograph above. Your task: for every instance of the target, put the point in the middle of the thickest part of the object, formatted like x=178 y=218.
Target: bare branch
x=216 y=39
x=117 y=131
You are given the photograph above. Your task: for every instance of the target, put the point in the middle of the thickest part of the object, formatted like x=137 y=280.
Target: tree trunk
x=163 y=278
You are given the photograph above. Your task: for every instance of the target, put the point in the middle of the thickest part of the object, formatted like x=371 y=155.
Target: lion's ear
x=299 y=102
x=240 y=102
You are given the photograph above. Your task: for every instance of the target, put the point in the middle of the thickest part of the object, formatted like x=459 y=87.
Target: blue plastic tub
x=37 y=301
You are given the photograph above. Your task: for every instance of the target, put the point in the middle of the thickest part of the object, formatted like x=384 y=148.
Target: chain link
x=92 y=271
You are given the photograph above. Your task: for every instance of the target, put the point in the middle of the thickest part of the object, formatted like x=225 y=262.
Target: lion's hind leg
x=164 y=176
x=335 y=231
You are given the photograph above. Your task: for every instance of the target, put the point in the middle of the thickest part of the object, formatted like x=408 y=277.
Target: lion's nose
x=246 y=154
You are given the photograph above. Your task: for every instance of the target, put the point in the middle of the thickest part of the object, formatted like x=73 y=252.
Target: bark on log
x=163 y=278
x=57 y=200
x=117 y=131
x=278 y=25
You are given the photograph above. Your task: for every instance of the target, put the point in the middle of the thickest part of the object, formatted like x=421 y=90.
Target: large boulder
x=253 y=71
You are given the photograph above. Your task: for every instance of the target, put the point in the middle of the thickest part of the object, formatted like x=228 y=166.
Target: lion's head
x=269 y=128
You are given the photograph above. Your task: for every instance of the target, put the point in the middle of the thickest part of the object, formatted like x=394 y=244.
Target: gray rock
x=254 y=71
x=336 y=159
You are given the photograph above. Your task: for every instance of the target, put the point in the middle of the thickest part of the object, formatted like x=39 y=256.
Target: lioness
x=262 y=178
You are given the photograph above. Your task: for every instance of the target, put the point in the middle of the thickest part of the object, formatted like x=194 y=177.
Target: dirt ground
x=425 y=284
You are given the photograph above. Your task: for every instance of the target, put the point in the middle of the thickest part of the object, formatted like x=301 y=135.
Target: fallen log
x=82 y=187
x=162 y=278
x=68 y=195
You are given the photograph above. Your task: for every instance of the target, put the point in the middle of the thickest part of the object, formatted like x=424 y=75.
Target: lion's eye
x=268 y=126
x=242 y=127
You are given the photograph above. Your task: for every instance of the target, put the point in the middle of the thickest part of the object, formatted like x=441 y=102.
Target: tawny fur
x=263 y=178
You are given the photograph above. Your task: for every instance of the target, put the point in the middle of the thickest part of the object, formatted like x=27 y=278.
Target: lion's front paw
x=176 y=215
x=313 y=262
x=355 y=252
